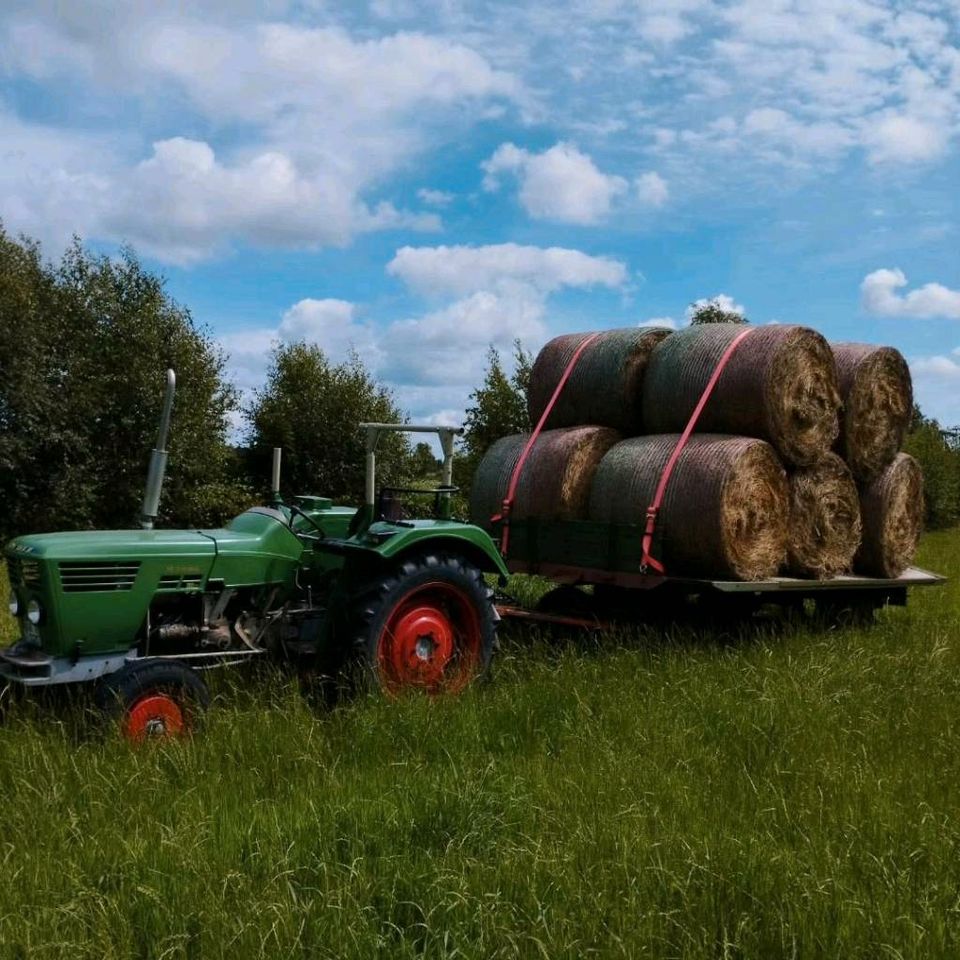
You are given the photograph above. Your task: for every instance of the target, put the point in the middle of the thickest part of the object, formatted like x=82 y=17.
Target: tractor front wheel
x=154 y=700
x=426 y=625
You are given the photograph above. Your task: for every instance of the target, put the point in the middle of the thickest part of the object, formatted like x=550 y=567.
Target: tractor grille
x=90 y=576
x=26 y=572
x=181 y=581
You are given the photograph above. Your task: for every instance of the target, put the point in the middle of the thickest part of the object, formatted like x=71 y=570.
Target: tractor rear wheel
x=154 y=700
x=426 y=625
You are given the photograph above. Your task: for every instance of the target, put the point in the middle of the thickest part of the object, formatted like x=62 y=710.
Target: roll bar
x=373 y=433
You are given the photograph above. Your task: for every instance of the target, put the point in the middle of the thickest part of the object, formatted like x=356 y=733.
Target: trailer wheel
x=154 y=700
x=427 y=625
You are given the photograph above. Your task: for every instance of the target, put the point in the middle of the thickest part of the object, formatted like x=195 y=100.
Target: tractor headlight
x=14 y=605
x=33 y=612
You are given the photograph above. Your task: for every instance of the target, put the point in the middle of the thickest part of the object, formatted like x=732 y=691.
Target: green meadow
x=777 y=791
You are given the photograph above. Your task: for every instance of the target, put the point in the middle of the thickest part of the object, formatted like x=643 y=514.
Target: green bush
x=84 y=344
x=941 y=471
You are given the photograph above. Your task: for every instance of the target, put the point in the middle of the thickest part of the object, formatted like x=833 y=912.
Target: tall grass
x=789 y=793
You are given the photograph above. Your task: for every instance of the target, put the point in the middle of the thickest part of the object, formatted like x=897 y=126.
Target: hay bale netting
x=725 y=510
x=556 y=478
x=604 y=386
x=877 y=401
x=824 y=519
x=779 y=385
x=892 y=511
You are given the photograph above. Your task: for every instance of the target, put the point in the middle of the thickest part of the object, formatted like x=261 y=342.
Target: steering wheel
x=294 y=509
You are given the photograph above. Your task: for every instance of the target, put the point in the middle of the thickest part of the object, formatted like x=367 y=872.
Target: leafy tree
x=941 y=470
x=313 y=409
x=423 y=464
x=83 y=349
x=710 y=311
x=499 y=408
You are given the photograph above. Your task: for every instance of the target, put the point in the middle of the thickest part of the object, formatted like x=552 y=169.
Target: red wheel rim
x=431 y=641
x=154 y=715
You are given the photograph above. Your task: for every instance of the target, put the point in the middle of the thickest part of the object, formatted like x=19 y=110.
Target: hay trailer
x=141 y=613
x=404 y=603
x=609 y=560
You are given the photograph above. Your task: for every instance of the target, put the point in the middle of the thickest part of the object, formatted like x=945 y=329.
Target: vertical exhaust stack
x=158 y=460
x=276 y=499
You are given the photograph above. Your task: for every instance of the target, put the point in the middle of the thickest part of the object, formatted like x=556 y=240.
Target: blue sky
x=418 y=180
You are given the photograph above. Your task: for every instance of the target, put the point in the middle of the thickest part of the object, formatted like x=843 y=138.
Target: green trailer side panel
x=580 y=543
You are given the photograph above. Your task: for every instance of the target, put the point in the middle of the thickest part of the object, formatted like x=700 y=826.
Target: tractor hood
x=95 y=587
x=259 y=531
x=112 y=545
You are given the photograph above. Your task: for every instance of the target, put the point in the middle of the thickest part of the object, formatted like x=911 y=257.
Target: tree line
x=84 y=343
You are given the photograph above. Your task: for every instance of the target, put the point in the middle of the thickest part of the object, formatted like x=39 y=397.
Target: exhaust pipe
x=158 y=460
x=276 y=499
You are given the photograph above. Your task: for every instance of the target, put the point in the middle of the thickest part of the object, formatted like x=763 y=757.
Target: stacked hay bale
x=878 y=401
x=604 y=387
x=769 y=482
x=724 y=511
x=557 y=476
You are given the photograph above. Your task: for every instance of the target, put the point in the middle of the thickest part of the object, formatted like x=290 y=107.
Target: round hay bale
x=780 y=385
x=556 y=478
x=824 y=519
x=725 y=510
x=892 y=511
x=877 y=399
x=604 y=387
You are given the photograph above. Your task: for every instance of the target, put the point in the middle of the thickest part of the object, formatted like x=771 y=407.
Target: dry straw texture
x=556 y=477
x=877 y=401
x=604 y=387
x=725 y=509
x=824 y=519
x=892 y=511
x=780 y=385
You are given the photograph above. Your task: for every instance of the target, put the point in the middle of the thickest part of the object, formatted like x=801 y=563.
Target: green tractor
x=142 y=612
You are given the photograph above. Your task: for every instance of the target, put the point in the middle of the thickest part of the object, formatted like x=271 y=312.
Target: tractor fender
x=469 y=542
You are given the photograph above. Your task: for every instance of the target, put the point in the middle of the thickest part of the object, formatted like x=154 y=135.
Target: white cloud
x=500 y=293
x=901 y=138
x=196 y=203
x=459 y=270
x=937 y=366
x=561 y=184
x=317 y=120
x=490 y=295
x=329 y=323
x=936 y=386
x=435 y=198
x=879 y=295
x=721 y=300
x=667 y=322
x=248 y=353
x=652 y=189
x=449 y=346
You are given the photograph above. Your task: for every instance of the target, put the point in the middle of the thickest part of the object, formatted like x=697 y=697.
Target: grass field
x=774 y=795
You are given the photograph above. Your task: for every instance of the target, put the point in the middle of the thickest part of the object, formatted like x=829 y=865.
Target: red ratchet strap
x=647 y=561
x=507 y=505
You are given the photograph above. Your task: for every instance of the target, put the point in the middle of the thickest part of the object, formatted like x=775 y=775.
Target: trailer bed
x=574 y=575
x=589 y=552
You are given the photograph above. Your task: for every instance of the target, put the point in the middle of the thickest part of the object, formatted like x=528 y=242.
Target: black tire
x=135 y=696
x=400 y=645
x=567 y=601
